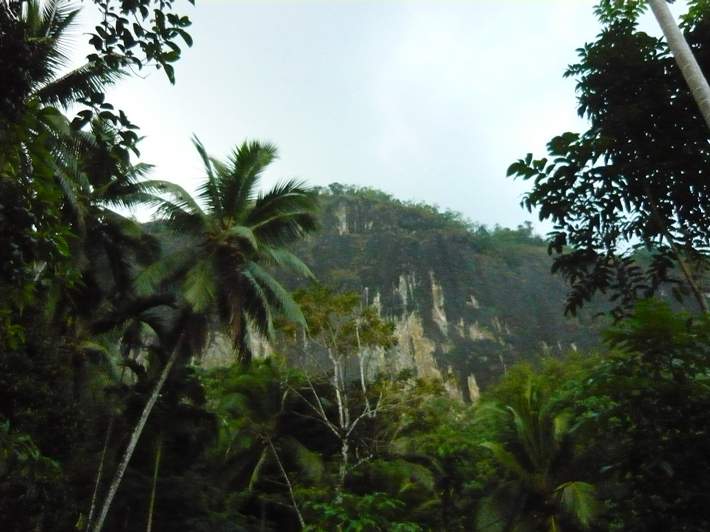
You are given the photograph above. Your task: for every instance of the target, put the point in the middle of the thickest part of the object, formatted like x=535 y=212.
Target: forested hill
x=465 y=298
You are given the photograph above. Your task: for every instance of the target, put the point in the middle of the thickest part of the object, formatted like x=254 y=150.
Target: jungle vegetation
x=109 y=422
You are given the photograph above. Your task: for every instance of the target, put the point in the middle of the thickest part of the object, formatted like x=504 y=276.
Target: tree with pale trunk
x=630 y=197
x=694 y=77
x=339 y=345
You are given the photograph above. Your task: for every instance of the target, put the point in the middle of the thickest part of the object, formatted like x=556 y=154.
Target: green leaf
x=185 y=36
x=579 y=501
x=505 y=458
x=170 y=72
x=199 y=286
x=241 y=233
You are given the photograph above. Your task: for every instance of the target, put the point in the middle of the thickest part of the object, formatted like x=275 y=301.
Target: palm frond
x=285 y=231
x=167 y=268
x=579 y=501
x=241 y=234
x=181 y=196
x=189 y=333
x=113 y=183
x=199 y=287
x=130 y=231
x=182 y=222
x=560 y=428
x=136 y=308
x=78 y=84
x=506 y=459
x=68 y=181
x=254 y=306
x=57 y=16
x=283 y=258
x=154 y=189
x=498 y=511
x=183 y=216
x=239 y=181
x=122 y=238
x=528 y=433
x=285 y=214
x=209 y=192
x=49 y=23
x=120 y=264
x=291 y=196
x=276 y=295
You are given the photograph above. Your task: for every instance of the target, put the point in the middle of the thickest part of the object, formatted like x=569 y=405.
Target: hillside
x=465 y=299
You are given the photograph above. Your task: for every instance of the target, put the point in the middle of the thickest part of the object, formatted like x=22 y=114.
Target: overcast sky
x=428 y=101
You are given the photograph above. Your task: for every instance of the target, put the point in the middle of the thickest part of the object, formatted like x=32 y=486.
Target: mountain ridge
x=465 y=299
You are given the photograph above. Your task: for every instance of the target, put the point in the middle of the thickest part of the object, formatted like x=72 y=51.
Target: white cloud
x=429 y=101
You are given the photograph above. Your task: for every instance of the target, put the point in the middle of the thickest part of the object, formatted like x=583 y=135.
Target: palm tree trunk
x=155 y=485
x=134 y=441
x=684 y=57
x=99 y=475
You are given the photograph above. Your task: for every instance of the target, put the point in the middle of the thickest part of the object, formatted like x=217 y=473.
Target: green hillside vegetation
x=109 y=421
x=496 y=278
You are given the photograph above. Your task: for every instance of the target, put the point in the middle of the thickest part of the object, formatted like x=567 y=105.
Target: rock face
x=466 y=301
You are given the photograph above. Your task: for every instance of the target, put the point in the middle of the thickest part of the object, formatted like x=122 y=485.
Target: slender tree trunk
x=134 y=441
x=99 y=475
x=155 y=485
x=342 y=470
x=294 y=503
x=689 y=277
x=698 y=85
x=684 y=57
x=684 y=268
x=361 y=363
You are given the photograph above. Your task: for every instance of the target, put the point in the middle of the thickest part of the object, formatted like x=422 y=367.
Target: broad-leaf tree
x=694 y=77
x=635 y=184
x=220 y=271
x=349 y=335
x=646 y=432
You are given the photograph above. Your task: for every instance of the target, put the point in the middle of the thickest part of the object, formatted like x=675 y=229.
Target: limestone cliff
x=465 y=300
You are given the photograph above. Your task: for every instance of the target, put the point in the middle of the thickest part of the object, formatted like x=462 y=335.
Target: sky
x=428 y=101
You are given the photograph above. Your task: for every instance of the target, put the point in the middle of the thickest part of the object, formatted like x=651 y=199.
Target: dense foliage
x=497 y=302
x=107 y=420
x=629 y=196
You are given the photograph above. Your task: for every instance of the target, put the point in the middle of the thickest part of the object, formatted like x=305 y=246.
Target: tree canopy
x=109 y=422
x=636 y=180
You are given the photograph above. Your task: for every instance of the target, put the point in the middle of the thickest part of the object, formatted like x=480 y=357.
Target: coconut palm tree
x=220 y=270
x=232 y=235
x=534 y=446
x=110 y=248
x=44 y=28
x=44 y=161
